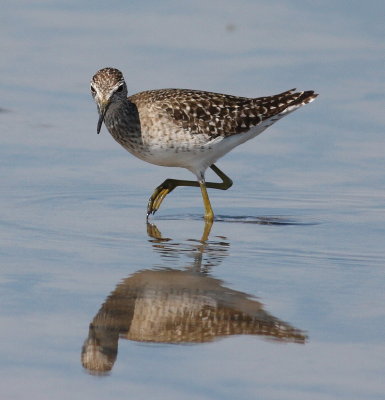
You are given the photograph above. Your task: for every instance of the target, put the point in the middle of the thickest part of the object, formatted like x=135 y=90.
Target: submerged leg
x=170 y=184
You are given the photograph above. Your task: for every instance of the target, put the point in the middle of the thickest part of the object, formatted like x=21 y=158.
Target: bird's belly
x=175 y=149
x=171 y=156
x=196 y=155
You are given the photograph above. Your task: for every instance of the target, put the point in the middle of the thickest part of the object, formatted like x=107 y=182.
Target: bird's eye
x=120 y=88
x=93 y=90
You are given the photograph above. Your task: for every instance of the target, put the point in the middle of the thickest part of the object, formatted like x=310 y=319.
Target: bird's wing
x=216 y=114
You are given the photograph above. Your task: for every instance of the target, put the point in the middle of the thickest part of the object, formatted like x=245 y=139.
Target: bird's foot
x=159 y=194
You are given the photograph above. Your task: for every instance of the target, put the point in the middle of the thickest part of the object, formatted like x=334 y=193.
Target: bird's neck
x=122 y=121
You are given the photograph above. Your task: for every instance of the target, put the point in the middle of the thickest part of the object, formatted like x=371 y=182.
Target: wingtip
x=308 y=96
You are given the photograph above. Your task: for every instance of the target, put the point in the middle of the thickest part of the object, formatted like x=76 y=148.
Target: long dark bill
x=101 y=119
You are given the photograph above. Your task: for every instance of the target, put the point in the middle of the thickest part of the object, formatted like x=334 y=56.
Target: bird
x=185 y=128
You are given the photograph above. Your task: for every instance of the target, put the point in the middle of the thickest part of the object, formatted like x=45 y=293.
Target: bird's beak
x=101 y=118
x=103 y=105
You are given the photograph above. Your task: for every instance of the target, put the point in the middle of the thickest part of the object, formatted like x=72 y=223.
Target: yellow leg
x=170 y=184
x=209 y=214
x=206 y=231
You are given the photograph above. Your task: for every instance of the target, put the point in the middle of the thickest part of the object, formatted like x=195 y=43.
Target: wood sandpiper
x=185 y=128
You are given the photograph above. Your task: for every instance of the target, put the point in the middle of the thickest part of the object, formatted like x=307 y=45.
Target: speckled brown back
x=216 y=114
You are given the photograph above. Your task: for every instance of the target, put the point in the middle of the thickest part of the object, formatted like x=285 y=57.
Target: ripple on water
x=245 y=219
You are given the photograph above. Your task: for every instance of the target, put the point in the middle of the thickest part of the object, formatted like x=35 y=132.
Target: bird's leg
x=162 y=191
x=206 y=231
x=170 y=184
x=224 y=185
x=209 y=214
x=226 y=181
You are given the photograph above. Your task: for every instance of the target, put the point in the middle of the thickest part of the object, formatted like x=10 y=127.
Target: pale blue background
x=72 y=204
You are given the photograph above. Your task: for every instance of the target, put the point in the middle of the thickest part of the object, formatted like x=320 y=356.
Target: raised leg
x=170 y=184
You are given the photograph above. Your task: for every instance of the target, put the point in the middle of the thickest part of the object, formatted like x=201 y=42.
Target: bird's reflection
x=178 y=306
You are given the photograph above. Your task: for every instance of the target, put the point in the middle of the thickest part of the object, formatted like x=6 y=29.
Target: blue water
x=298 y=245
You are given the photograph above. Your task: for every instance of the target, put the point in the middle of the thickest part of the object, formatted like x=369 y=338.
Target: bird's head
x=107 y=87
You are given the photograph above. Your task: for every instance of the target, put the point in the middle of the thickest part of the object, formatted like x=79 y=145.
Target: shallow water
x=282 y=299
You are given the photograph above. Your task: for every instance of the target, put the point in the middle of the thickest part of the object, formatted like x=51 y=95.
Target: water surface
x=283 y=298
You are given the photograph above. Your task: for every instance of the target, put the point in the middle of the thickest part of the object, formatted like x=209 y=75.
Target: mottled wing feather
x=216 y=114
